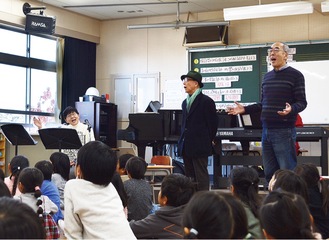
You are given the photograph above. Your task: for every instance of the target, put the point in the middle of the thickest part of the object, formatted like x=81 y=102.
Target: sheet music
x=246 y=120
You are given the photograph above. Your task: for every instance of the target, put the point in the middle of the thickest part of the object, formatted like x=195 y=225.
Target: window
x=28 y=77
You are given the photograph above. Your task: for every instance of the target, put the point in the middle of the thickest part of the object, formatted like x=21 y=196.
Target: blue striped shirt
x=278 y=88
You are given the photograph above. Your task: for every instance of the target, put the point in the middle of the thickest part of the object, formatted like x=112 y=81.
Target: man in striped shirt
x=282 y=98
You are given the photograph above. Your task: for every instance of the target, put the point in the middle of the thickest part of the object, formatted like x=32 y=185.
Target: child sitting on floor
x=139 y=191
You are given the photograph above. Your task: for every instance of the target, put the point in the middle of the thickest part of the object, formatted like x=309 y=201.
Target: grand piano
x=154 y=129
x=160 y=127
x=304 y=134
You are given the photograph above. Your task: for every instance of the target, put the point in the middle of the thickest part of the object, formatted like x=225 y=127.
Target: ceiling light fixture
x=122 y=4
x=325 y=6
x=177 y=25
x=268 y=10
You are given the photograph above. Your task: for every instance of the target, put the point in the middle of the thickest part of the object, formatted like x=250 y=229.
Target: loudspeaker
x=40 y=24
x=210 y=35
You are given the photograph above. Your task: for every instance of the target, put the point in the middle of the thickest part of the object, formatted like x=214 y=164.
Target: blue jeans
x=278 y=150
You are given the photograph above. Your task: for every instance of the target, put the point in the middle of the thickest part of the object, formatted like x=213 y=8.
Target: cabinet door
x=133 y=94
x=147 y=89
x=124 y=96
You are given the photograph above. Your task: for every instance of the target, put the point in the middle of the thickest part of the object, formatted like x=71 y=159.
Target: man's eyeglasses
x=275 y=50
x=187 y=79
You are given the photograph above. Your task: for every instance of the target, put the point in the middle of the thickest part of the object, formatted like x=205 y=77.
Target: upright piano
x=303 y=134
x=153 y=129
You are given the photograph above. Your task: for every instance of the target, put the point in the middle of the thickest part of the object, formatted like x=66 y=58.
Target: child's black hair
x=17 y=164
x=245 y=182
x=289 y=181
x=31 y=178
x=61 y=164
x=4 y=190
x=18 y=221
x=207 y=216
x=310 y=173
x=123 y=159
x=97 y=162
x=136 y=167
x=285 y=215
x=118 y=184
x=178 y=189
x=46 y=168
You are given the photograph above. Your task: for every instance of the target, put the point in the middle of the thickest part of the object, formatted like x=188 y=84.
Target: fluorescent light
x=325 y=6
x=178 y=25
x=268 y=10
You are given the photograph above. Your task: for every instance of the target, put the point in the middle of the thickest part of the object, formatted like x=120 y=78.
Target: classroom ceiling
x=120 y=9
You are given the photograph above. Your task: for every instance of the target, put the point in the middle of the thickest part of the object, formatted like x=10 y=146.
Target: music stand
x=60 y=138
x=17 y=135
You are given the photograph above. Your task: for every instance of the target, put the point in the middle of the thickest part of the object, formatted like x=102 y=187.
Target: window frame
x=29 y=63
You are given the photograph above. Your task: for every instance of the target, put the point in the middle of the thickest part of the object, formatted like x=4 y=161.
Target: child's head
x=285 y=215
x=4 y=190
x=273 y=179
x=207 y=215
x=240 y=219
x=309 y=172
x=96 y=163
x=118 y=184
x=136 y=167
x=289 y=181
x=18 y=221
x=46 y=168
x=176 y=190
x=61 y=164
x=2 y=175
x=16 y=165
x=30 y=180
x=122 y=161
x=244 y=185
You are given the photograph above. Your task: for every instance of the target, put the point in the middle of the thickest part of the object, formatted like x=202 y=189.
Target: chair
x=155 y=169
x=159 y=160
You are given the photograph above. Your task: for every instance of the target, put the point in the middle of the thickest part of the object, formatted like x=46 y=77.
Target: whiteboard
x=316 y=74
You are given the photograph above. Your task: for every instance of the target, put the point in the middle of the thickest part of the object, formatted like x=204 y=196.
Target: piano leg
x=141 y=150
x=245 y=147
x=217 y=167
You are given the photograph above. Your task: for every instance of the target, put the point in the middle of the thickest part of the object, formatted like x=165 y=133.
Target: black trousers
x=196 y=169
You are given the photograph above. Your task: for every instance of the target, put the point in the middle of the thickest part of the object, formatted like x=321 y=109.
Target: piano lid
x=146 y=126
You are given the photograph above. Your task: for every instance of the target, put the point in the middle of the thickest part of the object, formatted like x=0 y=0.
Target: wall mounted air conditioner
x=206 y=36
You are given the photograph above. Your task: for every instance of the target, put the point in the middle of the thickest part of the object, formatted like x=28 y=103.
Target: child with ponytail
x=29 y=182
x=16 y=165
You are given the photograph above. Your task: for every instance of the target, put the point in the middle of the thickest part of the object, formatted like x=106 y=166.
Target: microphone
x=88 y=124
